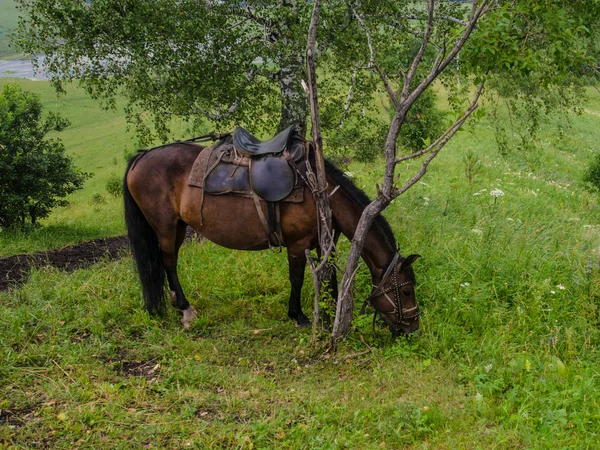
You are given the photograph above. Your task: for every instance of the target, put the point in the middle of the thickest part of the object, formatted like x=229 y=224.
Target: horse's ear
x=408 y=261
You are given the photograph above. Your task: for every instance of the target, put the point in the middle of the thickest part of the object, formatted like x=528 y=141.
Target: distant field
x=8 y=22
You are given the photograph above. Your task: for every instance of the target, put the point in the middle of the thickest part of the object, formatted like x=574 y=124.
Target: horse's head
x=394 y=298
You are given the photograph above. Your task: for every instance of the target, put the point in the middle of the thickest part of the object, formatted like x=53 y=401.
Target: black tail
x=146 y=252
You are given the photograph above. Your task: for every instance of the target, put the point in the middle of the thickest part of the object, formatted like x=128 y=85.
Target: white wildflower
x=510 y=219
x=465 y=284
x=488 y=367
x=477 y=231
x=349 y=174
x=561 y=287
x=478 y=397
x=553 y=292
x=426 y=199
x=477 y=193
x=496 y=193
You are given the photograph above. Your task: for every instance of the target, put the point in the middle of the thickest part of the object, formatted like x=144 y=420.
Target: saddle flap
x=225 y=178
x=271 y=178
x=247 y=144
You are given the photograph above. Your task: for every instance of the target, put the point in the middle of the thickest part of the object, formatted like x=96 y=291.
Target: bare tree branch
x=439 y=67
x=323 y=271
x=348 y=97
x=388 y=191
x=369 y=40
x=417 y=59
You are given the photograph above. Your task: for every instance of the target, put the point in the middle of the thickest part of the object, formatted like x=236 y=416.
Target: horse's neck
x=377 y=251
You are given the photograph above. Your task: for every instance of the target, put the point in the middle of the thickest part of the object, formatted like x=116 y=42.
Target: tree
x=35 y=173
x=232 y=62
x=539 y=52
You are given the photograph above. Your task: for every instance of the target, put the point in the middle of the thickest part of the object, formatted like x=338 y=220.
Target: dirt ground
x=14 y=270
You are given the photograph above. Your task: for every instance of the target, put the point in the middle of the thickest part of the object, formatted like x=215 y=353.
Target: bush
x=35 y=173
x=114 y=185
x=592 y=175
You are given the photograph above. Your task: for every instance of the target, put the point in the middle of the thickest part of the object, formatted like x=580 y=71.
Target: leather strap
x=263 y=219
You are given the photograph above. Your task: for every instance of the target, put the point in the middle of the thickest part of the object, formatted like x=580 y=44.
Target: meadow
x=8 y=23
x=507 y=356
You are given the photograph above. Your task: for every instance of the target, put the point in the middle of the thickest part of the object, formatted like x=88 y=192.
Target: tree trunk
x=293 y=98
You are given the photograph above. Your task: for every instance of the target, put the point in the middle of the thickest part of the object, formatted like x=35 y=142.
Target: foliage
x=241 y=63
x=35 y=173
x=545 y=52
x=592 y=173
x=114 y=185
x=170 y=58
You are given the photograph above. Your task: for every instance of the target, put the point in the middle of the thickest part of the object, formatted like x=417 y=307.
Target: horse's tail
x=146 y=251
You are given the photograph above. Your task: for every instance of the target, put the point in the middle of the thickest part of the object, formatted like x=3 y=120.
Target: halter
x=403 y=314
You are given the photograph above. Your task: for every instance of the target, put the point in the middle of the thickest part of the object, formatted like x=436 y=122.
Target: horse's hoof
x=303 y=322
x=189 y=315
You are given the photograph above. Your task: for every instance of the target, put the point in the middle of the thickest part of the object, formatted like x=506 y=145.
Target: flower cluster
x=496 y=193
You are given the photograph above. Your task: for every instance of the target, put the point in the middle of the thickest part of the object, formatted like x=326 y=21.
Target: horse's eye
x=406 y=292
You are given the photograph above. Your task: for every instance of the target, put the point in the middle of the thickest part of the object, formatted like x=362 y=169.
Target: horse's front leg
x=297 y=264
x=170 y=251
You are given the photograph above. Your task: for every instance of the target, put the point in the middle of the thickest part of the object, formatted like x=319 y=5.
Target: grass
x=507 y=356
x=8 y=23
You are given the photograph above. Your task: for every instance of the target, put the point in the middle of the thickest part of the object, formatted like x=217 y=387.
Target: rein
x=395 y=288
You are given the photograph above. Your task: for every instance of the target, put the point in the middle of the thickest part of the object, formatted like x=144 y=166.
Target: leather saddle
x=250 y=165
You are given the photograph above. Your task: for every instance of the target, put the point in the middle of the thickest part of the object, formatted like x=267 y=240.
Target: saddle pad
x=225 y=178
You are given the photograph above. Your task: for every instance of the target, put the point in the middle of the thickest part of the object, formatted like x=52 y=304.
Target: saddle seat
x=246 y=144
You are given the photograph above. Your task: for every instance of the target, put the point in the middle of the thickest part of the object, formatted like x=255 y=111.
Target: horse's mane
x=358 y=197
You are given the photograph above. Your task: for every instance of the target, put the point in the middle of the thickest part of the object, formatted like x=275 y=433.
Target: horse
x=160 y=204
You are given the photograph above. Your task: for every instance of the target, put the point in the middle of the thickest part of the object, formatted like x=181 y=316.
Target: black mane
x=361 y=199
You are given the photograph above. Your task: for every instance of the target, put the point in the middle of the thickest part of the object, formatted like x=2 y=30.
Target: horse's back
x=157 y=178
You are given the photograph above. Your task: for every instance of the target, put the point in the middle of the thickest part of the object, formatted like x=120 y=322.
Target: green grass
x=8 y=23
x=507 y=356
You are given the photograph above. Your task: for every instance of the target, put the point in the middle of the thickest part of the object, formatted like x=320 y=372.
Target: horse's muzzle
x=405 y=329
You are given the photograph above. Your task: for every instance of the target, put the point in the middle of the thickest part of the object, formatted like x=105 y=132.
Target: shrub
x=592 y=175
x=35 y=173
x=114 y=185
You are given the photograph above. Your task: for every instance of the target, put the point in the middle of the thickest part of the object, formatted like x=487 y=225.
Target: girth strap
x=271 y=225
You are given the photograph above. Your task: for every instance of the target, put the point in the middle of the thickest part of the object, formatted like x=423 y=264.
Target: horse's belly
x=228 y=220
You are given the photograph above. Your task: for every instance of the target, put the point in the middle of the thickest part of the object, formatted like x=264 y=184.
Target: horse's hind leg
x=170 y=249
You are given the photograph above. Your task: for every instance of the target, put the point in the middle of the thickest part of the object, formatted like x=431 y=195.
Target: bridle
x=404 y=314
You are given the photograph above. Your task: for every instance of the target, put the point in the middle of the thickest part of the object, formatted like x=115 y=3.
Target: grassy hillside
x=507 y=356
x=8 y=23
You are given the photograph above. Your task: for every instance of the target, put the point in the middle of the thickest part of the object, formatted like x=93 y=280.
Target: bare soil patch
x=14 y=270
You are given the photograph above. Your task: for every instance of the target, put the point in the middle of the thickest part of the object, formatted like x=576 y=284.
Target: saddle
x=242 y=164
x=272 y=171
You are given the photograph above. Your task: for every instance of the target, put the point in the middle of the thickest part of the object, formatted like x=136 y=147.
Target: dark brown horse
x=159 y=205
